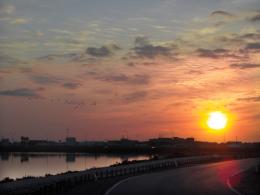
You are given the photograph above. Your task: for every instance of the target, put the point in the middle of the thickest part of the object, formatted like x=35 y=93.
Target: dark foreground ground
x=201 y=179
x=95 y=188
x=247 y=183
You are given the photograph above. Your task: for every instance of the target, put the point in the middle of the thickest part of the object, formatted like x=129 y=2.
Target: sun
x=217 y=120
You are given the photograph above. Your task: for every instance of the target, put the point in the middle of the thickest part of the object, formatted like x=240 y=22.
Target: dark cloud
x=45 y=79
x=252 y=36
x=137 y=79
x=75 y=102
x=240 y=38
x=253 y=46
x=7 y=61
x=103 y=51
x=250 y=99
x=245 y=65
x=131 y=64
x=114 y=47
x=216 y=53
x=145 y=49
x=221 y=13
x=196 y=72
x=141 y=41
x=51 y=57
x=25 y=70
x=71 y=85
x=21 y=92
x=135 y=96
x=255 y=18
x=150 y=51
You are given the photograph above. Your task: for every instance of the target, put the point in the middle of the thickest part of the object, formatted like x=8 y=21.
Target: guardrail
x=63 y=182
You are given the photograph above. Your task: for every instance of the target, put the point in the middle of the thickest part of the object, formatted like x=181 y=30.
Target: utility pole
x=67 y=132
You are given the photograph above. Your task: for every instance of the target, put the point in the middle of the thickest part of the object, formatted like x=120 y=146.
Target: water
x=17 y=165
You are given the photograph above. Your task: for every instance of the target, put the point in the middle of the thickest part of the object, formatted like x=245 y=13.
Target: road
x=210 y=179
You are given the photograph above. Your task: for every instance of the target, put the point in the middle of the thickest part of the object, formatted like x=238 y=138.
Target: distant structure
x=5 y=141
x=171 y=141
x=71 y=140
x=25 y=140
x=234 y=144
x=123 y=142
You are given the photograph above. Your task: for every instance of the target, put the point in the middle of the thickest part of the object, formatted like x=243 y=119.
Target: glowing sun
x=217 y=120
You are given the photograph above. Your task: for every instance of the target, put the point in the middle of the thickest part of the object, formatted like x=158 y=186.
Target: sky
x=102 y=70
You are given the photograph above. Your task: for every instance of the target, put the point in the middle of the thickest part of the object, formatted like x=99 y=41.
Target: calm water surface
x=17 y=165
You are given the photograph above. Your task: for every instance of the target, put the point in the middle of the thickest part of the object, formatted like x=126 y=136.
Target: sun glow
x=217 y=120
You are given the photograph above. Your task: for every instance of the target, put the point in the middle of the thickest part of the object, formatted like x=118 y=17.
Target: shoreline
x=63 y=182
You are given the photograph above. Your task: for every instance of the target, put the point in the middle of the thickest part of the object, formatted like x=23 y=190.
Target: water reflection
x=70 y=157
x=17 y=165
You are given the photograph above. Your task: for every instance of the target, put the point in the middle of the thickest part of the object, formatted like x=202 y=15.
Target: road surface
x=210 y=179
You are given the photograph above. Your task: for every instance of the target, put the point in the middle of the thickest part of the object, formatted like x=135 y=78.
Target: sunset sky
x=136 y=68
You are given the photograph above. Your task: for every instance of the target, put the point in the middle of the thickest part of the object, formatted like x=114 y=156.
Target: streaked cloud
x=6 y=9
x=19 y=21
x=21 y=92
x=255 y=18
x=250 y=99
x=8 y=61
x=71 y=85
x=136 y=79
x=253 y=46
x=245 y=65
x=45 y=79
x=144 y=49
x=215 y=53
x=221 y=13
x=135 y=96
x=103 y=51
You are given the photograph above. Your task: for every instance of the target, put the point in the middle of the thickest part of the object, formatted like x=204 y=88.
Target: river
x=17 y=165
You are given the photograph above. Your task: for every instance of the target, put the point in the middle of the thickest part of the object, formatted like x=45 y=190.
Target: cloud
x=247 y=39
x=21 y=92
x=216 y=53
x=255 y=18
x=75 y=103
x=19 y=21
x=137 y=79
x=250 y=99
x=245 y=65
x=6 y=9
x=141 y=41
x=252 y=36
x=135 y=96
x=7 y=61
x=50 y=57
x=71 y=85
x=103 y=51
x=221 y=13
x=98 y=52
x=145 y=49
x=253 y=46
x=45 y=79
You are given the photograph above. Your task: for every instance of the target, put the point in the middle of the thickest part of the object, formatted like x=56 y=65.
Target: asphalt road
x=210 y=179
